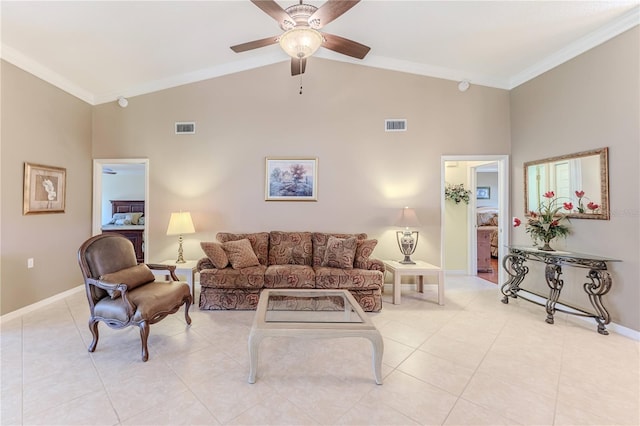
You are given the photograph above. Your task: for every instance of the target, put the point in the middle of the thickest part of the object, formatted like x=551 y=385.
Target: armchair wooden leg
x=93 y=326
x=187 y=305
x=144 y=335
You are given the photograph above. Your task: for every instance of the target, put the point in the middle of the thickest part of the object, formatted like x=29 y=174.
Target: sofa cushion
x=289 y=276
x=133 y=277
x=363 y=251
x=259 y=241
x=240 y=254
x=320 y=240
x=349 y=279
x=251 y=277
x=340 y=252
x=216 y=254
x=290 y=248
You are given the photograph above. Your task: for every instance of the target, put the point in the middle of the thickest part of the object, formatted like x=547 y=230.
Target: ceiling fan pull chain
x=301 y=76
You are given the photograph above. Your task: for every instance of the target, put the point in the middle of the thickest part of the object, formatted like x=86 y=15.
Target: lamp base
x=407 y=260
x=180 y=256
x=407 y=242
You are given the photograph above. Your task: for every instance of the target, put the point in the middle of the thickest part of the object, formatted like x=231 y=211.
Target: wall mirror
x=584 y=172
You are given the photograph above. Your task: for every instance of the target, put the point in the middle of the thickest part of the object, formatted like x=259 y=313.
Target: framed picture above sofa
x=291 y=179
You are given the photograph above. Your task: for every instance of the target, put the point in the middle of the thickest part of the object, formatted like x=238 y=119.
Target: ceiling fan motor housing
x=300 y=14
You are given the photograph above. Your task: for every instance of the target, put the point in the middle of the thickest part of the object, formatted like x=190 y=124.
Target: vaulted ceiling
x=99 y=50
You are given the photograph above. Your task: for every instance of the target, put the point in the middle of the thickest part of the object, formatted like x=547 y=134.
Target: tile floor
x=473 y=361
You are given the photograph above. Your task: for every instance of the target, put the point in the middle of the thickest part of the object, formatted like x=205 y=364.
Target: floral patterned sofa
x=239 y=266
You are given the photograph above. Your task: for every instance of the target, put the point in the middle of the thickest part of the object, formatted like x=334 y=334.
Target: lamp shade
x=301 y=42
x=180 y=223
x=407 y=218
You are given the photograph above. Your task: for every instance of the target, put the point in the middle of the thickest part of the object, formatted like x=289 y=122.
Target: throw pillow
x=340 y=252
x=363 y=251
x=133 y=277
x=240 y=254
x=216 y=254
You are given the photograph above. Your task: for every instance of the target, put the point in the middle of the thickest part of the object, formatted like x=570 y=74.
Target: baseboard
x=30 y=308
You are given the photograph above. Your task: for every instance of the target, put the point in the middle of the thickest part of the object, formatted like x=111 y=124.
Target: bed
x=487 y=221
x=127 y=219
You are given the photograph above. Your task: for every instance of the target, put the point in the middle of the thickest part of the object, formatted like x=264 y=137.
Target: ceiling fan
x=301 y=38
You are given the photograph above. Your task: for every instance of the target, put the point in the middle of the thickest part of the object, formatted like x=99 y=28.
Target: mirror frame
x=603 y=154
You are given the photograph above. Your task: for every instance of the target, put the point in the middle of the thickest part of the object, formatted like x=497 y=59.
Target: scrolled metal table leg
x=599 y=286
x=552 y=275
x=515 y=268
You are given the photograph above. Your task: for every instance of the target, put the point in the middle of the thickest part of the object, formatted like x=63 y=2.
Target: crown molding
x=596 y=38
x=426 y=70
x=194 y=77
x=25 y=63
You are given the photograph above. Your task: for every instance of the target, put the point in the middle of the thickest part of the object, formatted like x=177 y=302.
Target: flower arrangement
x=549 y=222
x=457 y=193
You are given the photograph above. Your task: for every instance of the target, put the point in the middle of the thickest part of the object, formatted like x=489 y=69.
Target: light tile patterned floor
x=473 y=361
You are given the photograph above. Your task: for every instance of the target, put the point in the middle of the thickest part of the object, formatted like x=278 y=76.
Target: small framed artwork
x=483 y=193
x=291 y=179
x=45 y=189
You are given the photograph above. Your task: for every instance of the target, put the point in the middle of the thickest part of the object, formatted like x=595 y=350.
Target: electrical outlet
x=30 y=262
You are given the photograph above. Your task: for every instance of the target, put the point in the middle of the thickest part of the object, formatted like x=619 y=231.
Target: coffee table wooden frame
x=325 y=330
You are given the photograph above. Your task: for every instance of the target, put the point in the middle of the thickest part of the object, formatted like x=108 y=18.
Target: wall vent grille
x=395 y=125
x=185 y=128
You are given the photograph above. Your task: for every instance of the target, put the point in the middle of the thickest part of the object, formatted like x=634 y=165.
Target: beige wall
x=365 y=175
x=44 y=125
x=589 y=102
x=456 y=220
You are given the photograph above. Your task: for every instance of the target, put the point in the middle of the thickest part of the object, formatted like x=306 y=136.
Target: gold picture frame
x=45 y=189
x=291 y=179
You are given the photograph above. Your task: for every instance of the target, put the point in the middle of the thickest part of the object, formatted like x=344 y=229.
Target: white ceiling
x=99 y=50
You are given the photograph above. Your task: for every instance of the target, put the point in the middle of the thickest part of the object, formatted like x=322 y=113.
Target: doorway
x=461 y=230
x=123 y=167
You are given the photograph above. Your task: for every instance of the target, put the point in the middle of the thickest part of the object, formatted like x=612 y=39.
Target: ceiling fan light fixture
x=301 y=42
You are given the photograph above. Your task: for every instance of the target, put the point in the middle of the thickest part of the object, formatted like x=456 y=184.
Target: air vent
x=185 y=128
x=395 y=125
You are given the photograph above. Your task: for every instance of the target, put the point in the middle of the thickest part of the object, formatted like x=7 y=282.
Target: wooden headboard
x=127 y=206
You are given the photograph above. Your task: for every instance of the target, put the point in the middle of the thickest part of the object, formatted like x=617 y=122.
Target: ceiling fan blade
x=273 y=9
x=345 y=46
x=254 y=44
x=331 y=10
x=298 y=66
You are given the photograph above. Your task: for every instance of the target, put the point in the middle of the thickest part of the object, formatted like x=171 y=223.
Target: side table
x=187 y=269
x=419 y=269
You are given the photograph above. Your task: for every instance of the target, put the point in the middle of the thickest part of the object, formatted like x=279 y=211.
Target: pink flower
x=592 y=206
x=549 y=194
x=568 y=206
x=579 y=194
x=516 y=222
x=554 y=223
x=533 y=214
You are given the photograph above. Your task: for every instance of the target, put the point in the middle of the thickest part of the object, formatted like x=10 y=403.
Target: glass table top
x=312 y=306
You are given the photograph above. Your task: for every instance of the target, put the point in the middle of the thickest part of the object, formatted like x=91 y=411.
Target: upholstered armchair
x=123 y=293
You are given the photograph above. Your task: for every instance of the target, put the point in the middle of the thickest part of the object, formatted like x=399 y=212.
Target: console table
x=599 y=285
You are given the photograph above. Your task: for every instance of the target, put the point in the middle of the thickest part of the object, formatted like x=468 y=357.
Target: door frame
x=98 y=165
x=503 y=209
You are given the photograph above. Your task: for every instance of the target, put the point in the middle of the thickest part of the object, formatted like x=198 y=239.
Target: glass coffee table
x=311 y=314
